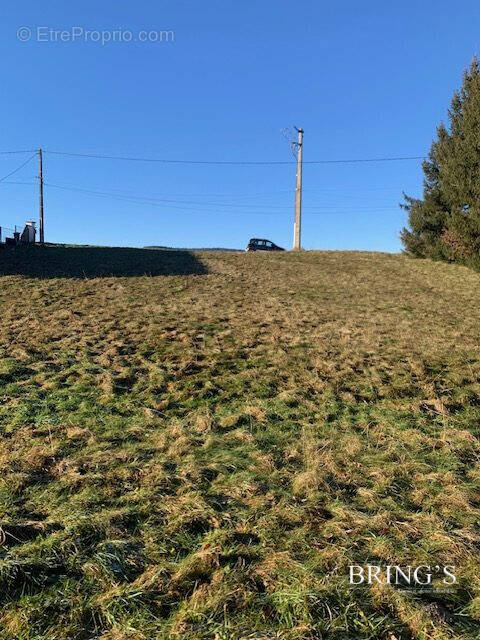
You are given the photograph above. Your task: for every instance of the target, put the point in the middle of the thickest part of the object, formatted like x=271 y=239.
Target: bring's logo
x=402 y=576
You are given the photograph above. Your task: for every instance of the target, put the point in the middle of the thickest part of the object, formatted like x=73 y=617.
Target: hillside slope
x=203 y=452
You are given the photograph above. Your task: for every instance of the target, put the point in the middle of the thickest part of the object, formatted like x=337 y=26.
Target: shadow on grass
x=63 y=261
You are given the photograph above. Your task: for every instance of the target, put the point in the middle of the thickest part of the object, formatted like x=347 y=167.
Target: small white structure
x=29 y=233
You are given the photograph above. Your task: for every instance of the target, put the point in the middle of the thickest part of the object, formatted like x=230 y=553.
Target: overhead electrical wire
x=4 y=153
x=162 y=200
x=17 y=169
x=228 y=162
x=205 y=203
x=196 y=206
x=170 y=204
x=30 y=184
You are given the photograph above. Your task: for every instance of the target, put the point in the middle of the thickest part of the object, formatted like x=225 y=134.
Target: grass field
x=202 y=451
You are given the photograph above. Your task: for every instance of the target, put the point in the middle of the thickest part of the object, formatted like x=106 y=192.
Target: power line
x=3 y=153
x=165 y=205
x=165 y=200
x=30 y=184
x=230 y=162
x=151 y=200
x=356 y=160
x=235 y=204
x=236 y=196
x=17 y=169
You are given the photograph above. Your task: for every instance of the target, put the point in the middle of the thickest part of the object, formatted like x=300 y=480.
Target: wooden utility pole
x=40 y=197
x=297 y=227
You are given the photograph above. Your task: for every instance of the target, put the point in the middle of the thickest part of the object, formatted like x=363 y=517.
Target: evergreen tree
x=445 y=224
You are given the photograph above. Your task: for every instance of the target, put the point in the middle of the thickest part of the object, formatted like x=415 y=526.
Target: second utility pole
x=297 y=227
x=40 y=197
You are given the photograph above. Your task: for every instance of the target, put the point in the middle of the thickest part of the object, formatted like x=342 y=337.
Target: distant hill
x=161 y=248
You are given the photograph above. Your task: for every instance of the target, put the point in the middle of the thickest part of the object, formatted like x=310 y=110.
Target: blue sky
x=365 y=80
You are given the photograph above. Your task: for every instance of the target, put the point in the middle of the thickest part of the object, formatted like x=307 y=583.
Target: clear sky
x=364 y=79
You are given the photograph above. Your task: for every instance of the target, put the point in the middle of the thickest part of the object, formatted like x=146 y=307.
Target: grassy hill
x=197 y=446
